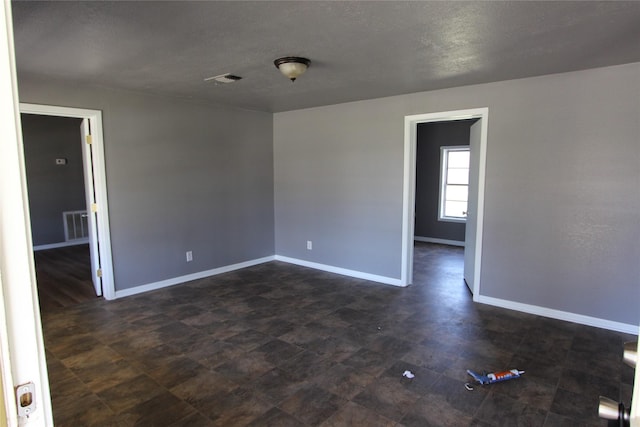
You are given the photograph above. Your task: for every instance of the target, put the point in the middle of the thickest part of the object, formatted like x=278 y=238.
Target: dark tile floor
x=282 y=345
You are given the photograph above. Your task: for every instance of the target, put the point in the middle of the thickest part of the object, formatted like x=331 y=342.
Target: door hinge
x=88 y=139
x=99 y=272
x=94 y=207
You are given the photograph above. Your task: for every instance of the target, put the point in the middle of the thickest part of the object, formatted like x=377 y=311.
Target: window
x=454 y=183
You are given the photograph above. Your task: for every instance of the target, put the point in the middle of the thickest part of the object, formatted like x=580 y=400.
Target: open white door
x=635 y=402
x=89 y=188
x=472 y=207
x=22 y=352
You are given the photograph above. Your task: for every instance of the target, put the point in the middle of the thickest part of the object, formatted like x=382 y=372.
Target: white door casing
x=472 y=208
x=95 y=178
x=635 y=400
x=25 y=360
x=408 y=208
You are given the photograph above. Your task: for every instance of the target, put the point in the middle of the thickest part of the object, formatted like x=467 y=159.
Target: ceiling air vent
x=224 y=78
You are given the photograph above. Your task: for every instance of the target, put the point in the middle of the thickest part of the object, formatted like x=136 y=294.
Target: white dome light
x=292 y=66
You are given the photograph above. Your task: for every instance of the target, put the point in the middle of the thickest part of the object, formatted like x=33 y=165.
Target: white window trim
x=443 y=179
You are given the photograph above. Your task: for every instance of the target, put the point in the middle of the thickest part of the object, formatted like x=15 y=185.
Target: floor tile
x=195 y=419
x=277 y=385
x=433 y=410
x=163 y=409
x=244 y=369
x=344 y=381
x=277 y=351
x=578 y=406
x=107 y=375
x=238 y=407
x=284 y=345
x=353 y=414
x=501 y=410
x=312 y=404
x=130 y=393
x=276 y=418
x=177 y=370
x=92 y=412
x=371 y=362
x=528 y=391
x=457 y=396
x=421 y=382
x=203 y=387
x=387 y=397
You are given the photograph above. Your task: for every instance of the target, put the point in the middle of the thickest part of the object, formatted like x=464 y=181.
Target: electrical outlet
x=189 y=256
x=309 y=245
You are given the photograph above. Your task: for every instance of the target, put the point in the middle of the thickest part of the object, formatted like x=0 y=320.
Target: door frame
x=409 y=186
x=22 y=344
x=93 y=165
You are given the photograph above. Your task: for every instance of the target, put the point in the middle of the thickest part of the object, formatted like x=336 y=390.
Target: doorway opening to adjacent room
x=90 y=137
x=475 y=211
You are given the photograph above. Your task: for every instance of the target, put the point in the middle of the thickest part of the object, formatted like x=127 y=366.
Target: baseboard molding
x=343 y=271
x=189 y=277
x=439 y=241
x=60 y=245
x=511 y=305
x=560 y=315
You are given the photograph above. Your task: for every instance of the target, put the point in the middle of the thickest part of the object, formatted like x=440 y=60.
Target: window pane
x=454 y=190
x=458 y=193
x=458 y=159
x=455 y=209
x=458 y=176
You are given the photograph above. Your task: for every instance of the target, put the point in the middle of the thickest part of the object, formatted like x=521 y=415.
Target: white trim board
x=511 y=305
x=60 y=245
x=560 y=315
x=189 y=277
x=635 y=403
x=100 y=182
x=409 y=184
x=22 y=352
x=343 y=271
x=439 y=241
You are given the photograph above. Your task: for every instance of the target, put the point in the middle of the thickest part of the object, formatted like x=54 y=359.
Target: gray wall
x=430 y=137
x=561 y=228
x=180 y=176
x=53 y=188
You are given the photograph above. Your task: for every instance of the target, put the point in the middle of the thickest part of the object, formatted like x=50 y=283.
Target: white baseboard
x=342 y=271
x=511 y=305
x=189 y=277
x=560 y=315
x=439 y=241
x=60 y=245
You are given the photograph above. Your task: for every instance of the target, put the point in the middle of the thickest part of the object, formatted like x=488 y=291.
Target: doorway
x=91 y=139
x=475 y=215
x=57 y=204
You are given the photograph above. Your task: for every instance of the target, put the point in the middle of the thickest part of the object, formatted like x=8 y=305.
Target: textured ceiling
x=359 y=50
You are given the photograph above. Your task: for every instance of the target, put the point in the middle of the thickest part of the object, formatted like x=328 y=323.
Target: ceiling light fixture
x=292 y=66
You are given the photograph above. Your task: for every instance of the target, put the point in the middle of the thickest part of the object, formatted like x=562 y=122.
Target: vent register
x=76 y=225
x=224 y=78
